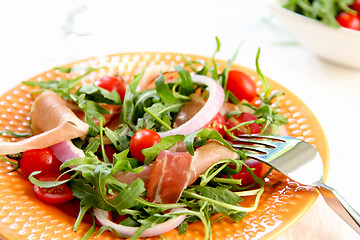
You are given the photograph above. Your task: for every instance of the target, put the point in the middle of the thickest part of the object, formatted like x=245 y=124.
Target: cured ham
x=129 y=177
x=52 y=123
x=170 y=177
x=151 y=73
x=174 y=171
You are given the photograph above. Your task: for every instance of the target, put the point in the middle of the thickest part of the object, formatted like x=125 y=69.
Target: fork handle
x=340 y=206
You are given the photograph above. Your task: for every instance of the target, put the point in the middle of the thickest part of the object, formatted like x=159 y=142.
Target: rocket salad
x=150 y=156
x=345 y=13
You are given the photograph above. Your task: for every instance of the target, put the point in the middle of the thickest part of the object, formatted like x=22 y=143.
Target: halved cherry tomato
x=235 y=120
x=245 y=176
x=217 y=124
x=39 y=160
x=241 y=85
x=349 y=20
x=112 y=84
x=356 y=6
x=54 y=195
x=144 y=138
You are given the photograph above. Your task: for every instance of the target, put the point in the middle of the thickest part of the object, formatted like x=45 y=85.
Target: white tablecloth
x=38 y=35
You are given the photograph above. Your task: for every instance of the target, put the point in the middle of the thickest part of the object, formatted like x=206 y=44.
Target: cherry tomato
x=217 y=124
x=54 y=195
x=356 y=6
x=349 y=20
x=235 y=120
x=39 y=160
x=246 y=178
x=112 y=84
x=241 y=85
x=144 y=138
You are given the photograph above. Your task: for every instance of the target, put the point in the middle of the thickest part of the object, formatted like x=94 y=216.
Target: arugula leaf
x=266 y=85
x=163 y=91
x=158 y=116
x=144 y=99
x=99 y=95
x=224 y=75
x=42 y=184
x=201 y=137
x=14 y=134
x=186 y=83
x=147 y=223
x=93 y=146
x=127 y=109
x=127 y=197
x=88 y=195
x=89 y=160
x=153 y=120
x=62 y=87
x=73 y=69
x=107 y=228
x=183 y=227
x=83 y=210
x=122 y=163
x=118 y=137
x=237 y=217
x=91 y=109
x=164 y=144
x=90 y=232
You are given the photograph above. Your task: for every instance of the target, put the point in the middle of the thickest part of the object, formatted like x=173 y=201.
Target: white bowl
x=338 y=45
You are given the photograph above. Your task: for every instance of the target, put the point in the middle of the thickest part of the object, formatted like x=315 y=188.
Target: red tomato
x=235 y=120
x=39 y=160
x=217 y=124
x=246 y=178
x=241 y=85
x=55 y=195
x=112 y=84
x=356 y=6
x=144 y=138
x=349 y=20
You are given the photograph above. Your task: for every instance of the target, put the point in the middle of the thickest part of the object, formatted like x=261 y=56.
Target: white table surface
x=38 y=35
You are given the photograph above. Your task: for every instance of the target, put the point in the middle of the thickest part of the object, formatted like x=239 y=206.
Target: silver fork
x=299 y=161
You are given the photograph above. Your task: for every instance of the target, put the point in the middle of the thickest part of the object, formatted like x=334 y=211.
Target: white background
x=38 y=35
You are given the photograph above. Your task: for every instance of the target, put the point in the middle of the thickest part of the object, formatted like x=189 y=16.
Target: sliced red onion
x=66 y=150
x=103 y=217
x=206 y=113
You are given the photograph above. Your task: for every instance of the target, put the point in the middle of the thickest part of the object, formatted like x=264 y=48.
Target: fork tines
x=256 y=143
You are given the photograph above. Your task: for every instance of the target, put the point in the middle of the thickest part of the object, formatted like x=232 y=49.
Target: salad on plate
x=146 y=156
x=335 y=13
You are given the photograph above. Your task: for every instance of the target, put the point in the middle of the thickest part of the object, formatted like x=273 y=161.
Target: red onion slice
x=207 y=112
x=66 y=150
x=103 y=217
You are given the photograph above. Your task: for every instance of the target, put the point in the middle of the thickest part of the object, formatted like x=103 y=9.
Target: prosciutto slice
x=150 y=75
x=129 y=177
x=174 y=171
x=52 y=123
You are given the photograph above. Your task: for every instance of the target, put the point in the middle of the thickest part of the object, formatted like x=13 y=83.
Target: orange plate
x=23 y=216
